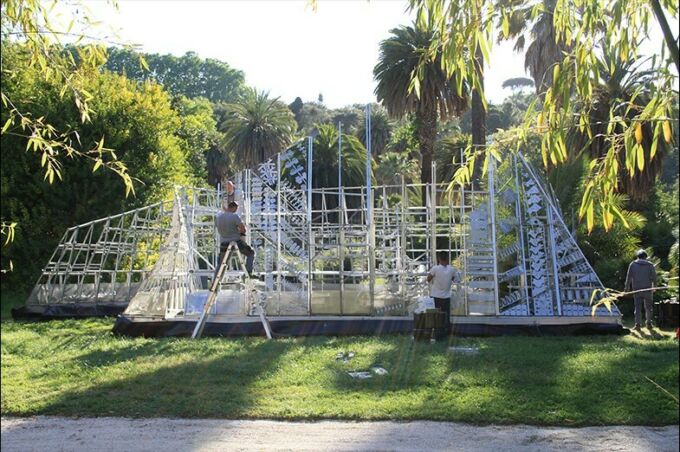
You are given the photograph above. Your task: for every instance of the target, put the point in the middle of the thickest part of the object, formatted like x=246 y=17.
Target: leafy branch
x=583 y=31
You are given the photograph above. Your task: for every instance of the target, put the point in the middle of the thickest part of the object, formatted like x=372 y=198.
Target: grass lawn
x=78 y=368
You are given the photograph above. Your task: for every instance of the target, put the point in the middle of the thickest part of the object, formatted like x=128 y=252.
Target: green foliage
x=188 y=75
x=503 y=116
x=587 y=380
x=623 y=93
x=381 y=129
x=198 y=132
x=405 y=139
x=326 y=159
x=392 y=165
x=352 y=118
x=28 y=35
x=427 y=90
x=580 y=30
x=516 y=83
x=257 y=127
x=296 y=108
x=448 y=154
x=135 y=119
x=400 y=54
x=311 y=114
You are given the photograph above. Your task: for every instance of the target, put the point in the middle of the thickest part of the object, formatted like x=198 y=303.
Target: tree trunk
x=217 y=165
x=426 y=124
x=667 y=33
x=478 y=117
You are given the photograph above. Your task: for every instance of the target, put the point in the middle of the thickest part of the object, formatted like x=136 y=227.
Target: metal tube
x=369 y=211
x=492 y=217
x=520 y=220
x=310 y=240
x=278 y=231
x=553 y=255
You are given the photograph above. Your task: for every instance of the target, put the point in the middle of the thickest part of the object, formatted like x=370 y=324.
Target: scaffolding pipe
x=310 y=238
x=369 y=211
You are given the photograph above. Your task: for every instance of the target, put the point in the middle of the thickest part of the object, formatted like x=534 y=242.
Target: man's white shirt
x=442 y=277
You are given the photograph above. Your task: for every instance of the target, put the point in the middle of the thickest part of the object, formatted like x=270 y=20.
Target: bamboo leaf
x=8 y=123
x=638 y=132
x=667 y=134
x=640 y=152
x=590 y=217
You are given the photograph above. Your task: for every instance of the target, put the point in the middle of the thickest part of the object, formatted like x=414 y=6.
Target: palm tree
x=624 y=91
x=325 y=162
x=399 y=56
x=257 y=127
x=543 y=52
x=449 y=153
x=381 y=130
x=392 y=165
x=325 y=159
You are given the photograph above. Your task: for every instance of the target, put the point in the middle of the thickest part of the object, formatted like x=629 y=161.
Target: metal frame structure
x=334 y=251
x=519 y=260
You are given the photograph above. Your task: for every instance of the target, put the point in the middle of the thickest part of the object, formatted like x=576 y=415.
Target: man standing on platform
x=231 y=229
x=440 y=278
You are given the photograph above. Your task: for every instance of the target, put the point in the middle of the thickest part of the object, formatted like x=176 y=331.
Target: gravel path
x=116 y=434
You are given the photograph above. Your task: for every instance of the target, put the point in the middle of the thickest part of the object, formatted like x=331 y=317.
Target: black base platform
x=68 y=311
x=347 y=327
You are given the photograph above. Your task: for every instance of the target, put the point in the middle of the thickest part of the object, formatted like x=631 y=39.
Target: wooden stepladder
x=229 y=254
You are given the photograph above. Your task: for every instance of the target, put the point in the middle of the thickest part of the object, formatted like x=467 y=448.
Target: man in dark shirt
x=641 y=275
x=231 y=229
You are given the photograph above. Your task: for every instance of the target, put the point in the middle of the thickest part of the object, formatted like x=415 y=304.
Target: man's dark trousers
x=444 y=305
x=243 y=248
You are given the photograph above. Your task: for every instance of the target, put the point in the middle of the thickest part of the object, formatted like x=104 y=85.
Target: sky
x=282 y=46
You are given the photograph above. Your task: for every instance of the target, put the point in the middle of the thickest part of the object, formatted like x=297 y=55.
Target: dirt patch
x=104 y=434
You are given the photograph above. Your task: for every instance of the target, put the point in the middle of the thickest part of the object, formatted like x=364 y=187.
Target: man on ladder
x=231 y=229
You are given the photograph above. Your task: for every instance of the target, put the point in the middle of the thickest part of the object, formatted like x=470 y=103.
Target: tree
x=135 y=119
x=325 y=161
x=188 y=75
x=449 y=151
x=351 y=117
x=381 y=130
x=502 y=116
x=391 y=166
x=27 y=22
x=405 y=140
x=624 y=91
x=544 y=51
x=436 y=96
x=198 y=132
x=312 y=113
x=517 y=83
x=296 y=108
x=583 y=28
x=257 y=127
x=320 y=98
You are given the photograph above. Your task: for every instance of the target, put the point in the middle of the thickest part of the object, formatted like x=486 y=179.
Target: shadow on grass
x=551 y=380
x=205 y=384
